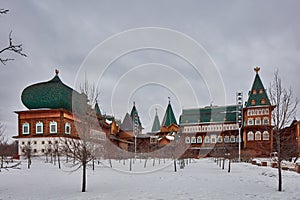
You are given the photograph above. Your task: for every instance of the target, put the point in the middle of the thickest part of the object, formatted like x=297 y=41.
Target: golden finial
x=256 y=69
x=56 y=71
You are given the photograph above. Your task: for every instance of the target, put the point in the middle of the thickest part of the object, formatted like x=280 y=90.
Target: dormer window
x=253 y=102
x=263 y=101
x=260 y=91
x=253 y=91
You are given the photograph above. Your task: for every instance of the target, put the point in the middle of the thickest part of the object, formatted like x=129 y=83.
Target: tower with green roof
x=257 y=120
x=169 y=123
x=136 y=118
x=156 y=123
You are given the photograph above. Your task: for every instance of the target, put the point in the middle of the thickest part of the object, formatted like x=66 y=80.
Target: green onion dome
x=52 y=94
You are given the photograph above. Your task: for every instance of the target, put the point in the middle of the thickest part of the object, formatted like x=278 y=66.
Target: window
x=43 y=150
x=187 y=140
x=253 y=102
x=213 y=139
x=254 y=91
x=34 y=142
x=206 y=139
x=232 y=139
x=193 y=140
x=266 y=120
x=34 y=150
x=67 y=128
x=237 y=139
x=257 y=121
x=250 y=136
x=53 y=127
x=263 y=101
x=39 y=128
x=25 y=128
x=23 y=143
x=199 y=139
x=260 y=91
x=249 y=112
x=250 y=121
x=258 y=135
x=226 y=139
x=49 y=142
x=153 y=140
x=220 y=139
x=266 y=135
x=43 y=142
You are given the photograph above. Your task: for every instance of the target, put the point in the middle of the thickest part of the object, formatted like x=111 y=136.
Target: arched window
x=250 y=122
x=253 y=91
x=220 y=139
x=258 y=135
x=253 y=102
x=250 y=136
x=226 y=139
x=206 y=139
x=199 y=139
x=266 y=120
x=187 y=140
x=213 y=139
x=67 y=128
x=39 y=128
x=263 y=101
x=257 y=121
x=25 y=128
x=237 y=139
x=266 y=135
x=53 y=127
x=193 y=140
x=260 y=91
x=232 y=139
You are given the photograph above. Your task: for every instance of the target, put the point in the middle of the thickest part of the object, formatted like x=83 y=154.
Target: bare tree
x=84 y=148
x=6 y=151
x=282 y=116
x=11 y=47
x=27 y=152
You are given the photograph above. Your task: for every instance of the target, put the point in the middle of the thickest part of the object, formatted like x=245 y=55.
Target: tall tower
x=258 y=132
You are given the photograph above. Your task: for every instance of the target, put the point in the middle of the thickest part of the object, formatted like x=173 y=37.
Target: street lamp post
x=239 y=102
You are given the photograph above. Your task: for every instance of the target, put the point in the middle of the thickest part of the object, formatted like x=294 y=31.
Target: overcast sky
x=235 y=35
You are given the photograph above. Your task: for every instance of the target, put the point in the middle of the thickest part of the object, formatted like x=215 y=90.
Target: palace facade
x=244 y=129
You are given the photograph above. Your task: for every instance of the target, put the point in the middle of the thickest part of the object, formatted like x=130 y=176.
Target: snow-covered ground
x=201 y=179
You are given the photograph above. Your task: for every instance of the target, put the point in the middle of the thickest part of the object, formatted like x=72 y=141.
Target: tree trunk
x=175 y=168
x=279 y=176
x=83 y=177
x=223 y=164
x=130 y=164
x=145 y=165
x=93 y=164
x=58 y=160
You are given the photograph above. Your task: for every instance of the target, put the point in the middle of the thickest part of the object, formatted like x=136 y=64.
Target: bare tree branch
x=16 y=48
x=3 y=11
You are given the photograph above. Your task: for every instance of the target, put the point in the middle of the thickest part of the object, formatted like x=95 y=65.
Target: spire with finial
x=156 y=123
x=133 y=103
x=256 y=69
x=56 y=71
x=169 y=99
